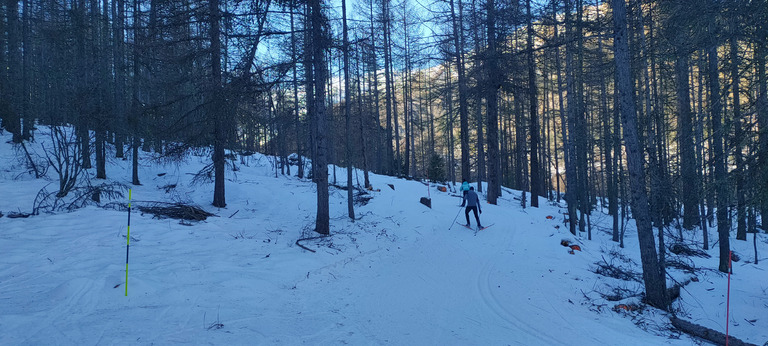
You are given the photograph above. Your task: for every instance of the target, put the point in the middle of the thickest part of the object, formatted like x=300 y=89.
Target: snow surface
x=401 y=274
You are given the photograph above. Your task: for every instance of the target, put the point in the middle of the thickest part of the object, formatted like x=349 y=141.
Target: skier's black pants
x=466 y=213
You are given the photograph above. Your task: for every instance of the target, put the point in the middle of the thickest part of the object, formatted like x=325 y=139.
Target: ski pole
x=454 y=219
x=127 y=242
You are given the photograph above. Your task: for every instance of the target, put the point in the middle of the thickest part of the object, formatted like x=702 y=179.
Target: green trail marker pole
x=127 y=242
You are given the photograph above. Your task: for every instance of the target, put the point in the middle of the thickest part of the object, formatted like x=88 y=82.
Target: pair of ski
x=474 y=229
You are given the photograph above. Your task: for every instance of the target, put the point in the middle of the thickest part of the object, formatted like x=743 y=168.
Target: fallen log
x=705 y=333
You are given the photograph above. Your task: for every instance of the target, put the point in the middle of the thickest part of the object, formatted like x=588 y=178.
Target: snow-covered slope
x=400 y=274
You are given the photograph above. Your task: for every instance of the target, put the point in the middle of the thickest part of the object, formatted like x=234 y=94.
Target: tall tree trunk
x=762 y=120
x=521 y=135
x=741 y=205
x=608 y=140
x=295 y=82
x=388 y=95
x=135 y=102
x=481 y=164
x=5 y=69
x=4 y=63
x=701 y=168
x=407 y=110
x=26 y=69
x=561 y=105
x=373 y=84
x=101 y=21
x=720 y=181
x=11 y=116
x=534 y=120
x=653 y=277
x=492 y=89
x=685 y=138
x=710 y=150
x=217 y=110
x=398 y=163
x=331 y=128
x=361 y=114
x=309 y=87
x=451 y=142
x=118 y=98
x=83 y=99
x=617 y=163
x=458 y=41
x=582 y=140
x=547 y=114
x=347 y=114
x=571 y=172
x=319 y=44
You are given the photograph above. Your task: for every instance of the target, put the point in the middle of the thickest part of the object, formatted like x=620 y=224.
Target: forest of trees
x=655 y=110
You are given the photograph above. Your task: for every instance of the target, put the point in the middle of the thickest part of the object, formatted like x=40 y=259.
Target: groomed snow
x=401 y=274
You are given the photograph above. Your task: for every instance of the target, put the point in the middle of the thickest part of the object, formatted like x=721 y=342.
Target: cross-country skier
x=464 y=190
x=473 y=204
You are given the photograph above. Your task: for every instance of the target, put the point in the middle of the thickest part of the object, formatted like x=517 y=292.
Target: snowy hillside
x=401 y=274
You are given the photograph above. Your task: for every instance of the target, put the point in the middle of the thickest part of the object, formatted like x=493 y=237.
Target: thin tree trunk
x=5 y=68
x=571 y=172
x=388 y=95
x=700 y=167
x=319 y=43
x=608 y=140
x=101 y=21
x=481 y=164
x=653 y=277
x=762 y=120
x=309 y=87
x=561 y=105
x=741 y=207
x=11 y=116
x=521 y=134
x=449 y=126
x=217 y=112
x=295 y=82
x=348 y=115
x=458 y=29
x=398 y=163
x=26 y=67
x=361 y=115
x=494 y=174
x=135 y=104
x=118 y=29
x=685 y=138
x=373 y=84
x=407 y=110
x=581 y=135
x=534 y=120
x=331 y=118
x=723 y=224
x=618 y=164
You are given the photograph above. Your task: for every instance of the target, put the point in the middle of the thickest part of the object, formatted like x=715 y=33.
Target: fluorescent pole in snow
x=127 y=242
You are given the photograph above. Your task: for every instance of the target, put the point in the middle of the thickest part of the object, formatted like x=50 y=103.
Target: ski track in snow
x=524 y=333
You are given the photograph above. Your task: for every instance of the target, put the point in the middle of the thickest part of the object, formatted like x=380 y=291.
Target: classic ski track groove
x=508 y=314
